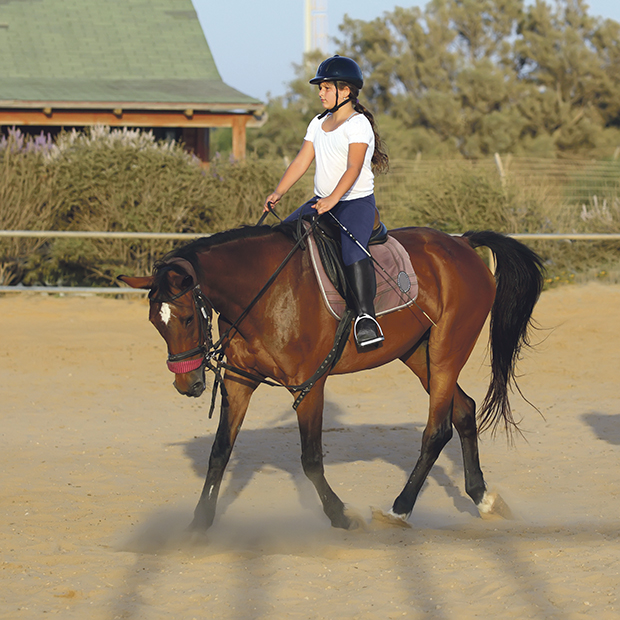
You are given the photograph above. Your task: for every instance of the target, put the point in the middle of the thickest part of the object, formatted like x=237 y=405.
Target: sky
x=254 y=44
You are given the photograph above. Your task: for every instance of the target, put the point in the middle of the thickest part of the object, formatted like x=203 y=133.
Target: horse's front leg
x=234 y=407
x=310 y=418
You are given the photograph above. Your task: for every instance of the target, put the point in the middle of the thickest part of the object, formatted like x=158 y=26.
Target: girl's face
x=327 y=94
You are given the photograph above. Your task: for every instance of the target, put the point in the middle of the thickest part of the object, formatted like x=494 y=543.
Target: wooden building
x=123 y=63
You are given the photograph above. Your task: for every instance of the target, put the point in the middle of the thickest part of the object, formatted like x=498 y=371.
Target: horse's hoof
x=389 y=519
x=356 y=520
x=196 y=533
x=492 y=506
x=194 y=538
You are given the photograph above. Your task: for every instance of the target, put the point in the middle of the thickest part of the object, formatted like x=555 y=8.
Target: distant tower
x=316 y=26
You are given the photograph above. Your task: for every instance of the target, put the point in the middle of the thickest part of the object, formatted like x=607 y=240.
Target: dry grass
x=456 y=196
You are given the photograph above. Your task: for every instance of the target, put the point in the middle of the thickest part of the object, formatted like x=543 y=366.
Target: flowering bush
x=27 y=199
x=104 y=137
x=17 y=142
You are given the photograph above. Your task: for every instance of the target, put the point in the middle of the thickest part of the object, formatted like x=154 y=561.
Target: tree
x=568 y=89
x=480 y=76
x=606 y=41
x=473 y=77
x=443 y=71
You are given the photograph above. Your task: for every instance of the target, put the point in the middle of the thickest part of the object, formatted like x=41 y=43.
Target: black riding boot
x=363 y=286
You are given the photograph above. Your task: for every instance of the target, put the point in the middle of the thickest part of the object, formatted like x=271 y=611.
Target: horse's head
x=182 y=315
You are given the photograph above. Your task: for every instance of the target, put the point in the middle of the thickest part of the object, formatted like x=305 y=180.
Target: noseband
x=179 y=363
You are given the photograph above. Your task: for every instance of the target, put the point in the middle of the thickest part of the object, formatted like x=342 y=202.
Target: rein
x=212 y=354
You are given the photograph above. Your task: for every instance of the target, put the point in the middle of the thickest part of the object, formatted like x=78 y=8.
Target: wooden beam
x=203 y=149
x=238 y=137
x=127 y=118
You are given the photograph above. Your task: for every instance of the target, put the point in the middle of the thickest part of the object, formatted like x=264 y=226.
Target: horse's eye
x=188 y=321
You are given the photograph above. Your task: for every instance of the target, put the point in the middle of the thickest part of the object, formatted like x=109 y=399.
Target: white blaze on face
x=165 y=313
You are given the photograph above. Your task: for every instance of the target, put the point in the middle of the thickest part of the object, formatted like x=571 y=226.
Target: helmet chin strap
x=337 y=106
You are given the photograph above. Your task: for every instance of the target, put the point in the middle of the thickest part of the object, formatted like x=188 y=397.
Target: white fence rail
x=124 y=290
x=86 y=290
x=40 y=234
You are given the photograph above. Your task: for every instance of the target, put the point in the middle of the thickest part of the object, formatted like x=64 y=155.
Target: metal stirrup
x=378 y=338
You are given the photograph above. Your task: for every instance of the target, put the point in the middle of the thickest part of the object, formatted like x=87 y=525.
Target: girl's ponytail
x=380 y=159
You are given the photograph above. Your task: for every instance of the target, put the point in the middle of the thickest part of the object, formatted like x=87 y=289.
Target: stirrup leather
x=376 y=339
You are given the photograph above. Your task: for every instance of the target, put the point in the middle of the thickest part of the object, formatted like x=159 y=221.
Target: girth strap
x=340 y=340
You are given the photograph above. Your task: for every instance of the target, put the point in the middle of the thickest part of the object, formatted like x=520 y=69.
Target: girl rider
x=345 y=143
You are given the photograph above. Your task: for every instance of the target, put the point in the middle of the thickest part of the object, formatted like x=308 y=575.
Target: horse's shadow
x=279 y=447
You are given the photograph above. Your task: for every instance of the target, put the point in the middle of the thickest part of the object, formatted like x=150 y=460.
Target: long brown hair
x=380 y=159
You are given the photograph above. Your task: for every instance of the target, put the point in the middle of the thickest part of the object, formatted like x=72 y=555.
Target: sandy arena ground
x=102 y=463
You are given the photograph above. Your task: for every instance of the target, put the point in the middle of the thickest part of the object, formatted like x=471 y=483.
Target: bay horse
x=285 y=333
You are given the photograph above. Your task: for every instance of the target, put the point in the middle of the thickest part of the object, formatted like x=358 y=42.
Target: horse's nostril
x=196 y=389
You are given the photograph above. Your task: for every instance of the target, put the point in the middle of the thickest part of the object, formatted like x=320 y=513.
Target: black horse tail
x=519 y=277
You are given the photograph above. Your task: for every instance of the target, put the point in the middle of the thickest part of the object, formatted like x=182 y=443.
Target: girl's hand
x=273 y=198
x=323 y=205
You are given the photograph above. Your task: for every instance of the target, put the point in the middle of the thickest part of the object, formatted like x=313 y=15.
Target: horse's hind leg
x=438 y=431
x=464 y=419
x=310 y=419
x=489 y=505
x=234 y=407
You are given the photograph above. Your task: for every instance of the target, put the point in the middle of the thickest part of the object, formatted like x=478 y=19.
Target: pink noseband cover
x=179 y=368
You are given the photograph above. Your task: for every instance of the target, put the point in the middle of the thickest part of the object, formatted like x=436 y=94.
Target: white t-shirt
x=331 y=150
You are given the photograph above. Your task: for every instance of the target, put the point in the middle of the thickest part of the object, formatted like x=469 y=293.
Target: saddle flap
x=397 y=283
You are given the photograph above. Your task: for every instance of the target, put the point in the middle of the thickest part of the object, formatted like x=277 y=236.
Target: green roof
x=86 y=51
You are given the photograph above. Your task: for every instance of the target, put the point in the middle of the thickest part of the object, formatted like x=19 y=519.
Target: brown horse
x=285 y=333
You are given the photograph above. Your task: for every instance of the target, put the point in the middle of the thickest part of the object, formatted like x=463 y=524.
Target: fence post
x=417 y=160
x=500 y=169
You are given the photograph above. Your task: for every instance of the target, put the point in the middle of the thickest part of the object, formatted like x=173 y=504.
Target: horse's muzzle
x=191 y=383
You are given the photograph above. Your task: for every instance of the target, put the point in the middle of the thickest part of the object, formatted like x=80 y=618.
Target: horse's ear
x=143 y=282
x=179 y=281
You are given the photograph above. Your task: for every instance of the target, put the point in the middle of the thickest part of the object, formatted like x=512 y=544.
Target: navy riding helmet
x=339 y=68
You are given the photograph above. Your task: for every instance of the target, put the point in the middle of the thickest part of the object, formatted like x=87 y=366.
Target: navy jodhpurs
x=357 y=216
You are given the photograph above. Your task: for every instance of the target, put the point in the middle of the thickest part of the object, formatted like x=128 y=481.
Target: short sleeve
x=315 y=123
x=359 y=130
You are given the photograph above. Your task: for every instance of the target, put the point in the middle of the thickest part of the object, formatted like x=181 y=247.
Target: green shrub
x=577 y=261
x=237 y=190
x=453 y=197
x=117 y=180
x=27 y=201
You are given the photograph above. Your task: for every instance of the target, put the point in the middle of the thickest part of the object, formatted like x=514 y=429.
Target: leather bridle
x=180 y=363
